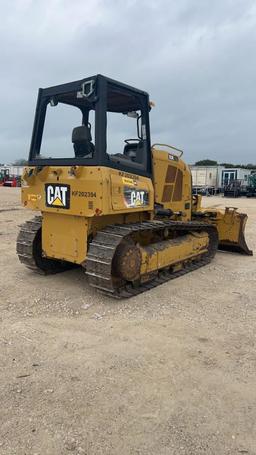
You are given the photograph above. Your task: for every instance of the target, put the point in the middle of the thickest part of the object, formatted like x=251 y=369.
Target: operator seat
x=82 y=141
x=134 y=151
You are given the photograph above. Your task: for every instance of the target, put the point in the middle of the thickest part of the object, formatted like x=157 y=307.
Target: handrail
x=171 y=147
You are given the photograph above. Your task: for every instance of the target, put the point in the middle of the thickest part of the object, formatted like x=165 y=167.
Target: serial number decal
x=84 y=193
x=129 y=176
x=135 y=197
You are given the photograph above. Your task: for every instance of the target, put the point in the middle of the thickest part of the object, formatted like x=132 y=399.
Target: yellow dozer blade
x=230 y=225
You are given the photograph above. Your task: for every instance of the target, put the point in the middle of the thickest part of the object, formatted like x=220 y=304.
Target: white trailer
x=207 y=178
x=15 y=171
x=212 y=179
x=238 y=173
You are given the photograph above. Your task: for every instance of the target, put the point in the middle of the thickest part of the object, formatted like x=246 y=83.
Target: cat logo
x=57 y=196
x=135 y=197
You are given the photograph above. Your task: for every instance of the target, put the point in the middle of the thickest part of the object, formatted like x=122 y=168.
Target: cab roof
x=76 y=85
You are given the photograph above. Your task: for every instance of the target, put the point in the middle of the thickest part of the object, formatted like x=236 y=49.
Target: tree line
x=208 y=162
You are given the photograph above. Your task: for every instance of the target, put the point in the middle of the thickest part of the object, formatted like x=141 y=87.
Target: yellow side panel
x=131 y=193
x=163 y=254
x=64 y=237
x=90 y=191
x=172 y=182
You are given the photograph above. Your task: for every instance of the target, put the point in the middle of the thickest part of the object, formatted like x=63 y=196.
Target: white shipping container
x=206 y=176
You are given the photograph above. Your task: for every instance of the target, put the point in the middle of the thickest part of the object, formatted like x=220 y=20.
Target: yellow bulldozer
x=109 y=200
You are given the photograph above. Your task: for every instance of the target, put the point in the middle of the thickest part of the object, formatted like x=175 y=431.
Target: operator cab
x=93 y=122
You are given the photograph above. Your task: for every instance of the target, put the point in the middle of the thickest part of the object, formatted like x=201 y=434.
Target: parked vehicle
x=251 y=188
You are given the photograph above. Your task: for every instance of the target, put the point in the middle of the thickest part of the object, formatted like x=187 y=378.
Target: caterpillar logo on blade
x=57 y=196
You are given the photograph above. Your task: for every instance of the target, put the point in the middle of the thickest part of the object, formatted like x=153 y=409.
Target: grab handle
x=171 y=147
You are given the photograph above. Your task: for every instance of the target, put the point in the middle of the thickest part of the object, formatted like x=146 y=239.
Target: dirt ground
x=169 y=372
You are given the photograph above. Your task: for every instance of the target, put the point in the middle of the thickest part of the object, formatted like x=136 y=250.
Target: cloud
x=196 y=58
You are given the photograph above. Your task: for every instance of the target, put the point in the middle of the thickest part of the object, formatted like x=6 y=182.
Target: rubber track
x=24 y=245
x=26 y=250
x=103 y=246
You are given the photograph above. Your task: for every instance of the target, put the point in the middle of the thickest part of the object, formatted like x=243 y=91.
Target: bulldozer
x=110 y=201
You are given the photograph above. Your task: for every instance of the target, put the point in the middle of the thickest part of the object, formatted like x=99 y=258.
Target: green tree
x=244 y=166
x=20 y=162
x=206 y=162
x=228 y=165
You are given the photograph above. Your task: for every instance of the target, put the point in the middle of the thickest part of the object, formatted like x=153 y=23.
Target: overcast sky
x=196 y=58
